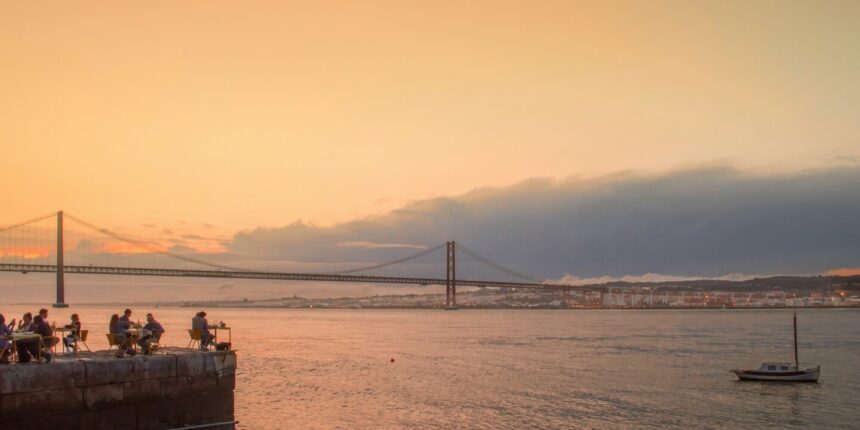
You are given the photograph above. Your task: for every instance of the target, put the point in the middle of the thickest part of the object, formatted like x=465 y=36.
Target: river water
x=499 y=369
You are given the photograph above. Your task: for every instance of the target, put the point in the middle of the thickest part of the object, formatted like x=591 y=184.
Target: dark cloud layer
x=699 y=222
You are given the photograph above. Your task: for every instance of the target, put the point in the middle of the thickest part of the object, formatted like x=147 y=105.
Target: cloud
x=697 y=222
x=372 y=245
x=844 y=271
x=649 y=277
x=179 y=248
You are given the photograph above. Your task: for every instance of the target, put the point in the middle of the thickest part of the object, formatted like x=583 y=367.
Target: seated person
x=27 y=349
x=70 y=341
x=155 y=330
x=5 y=345
x=118 y=332
x=154 y=326
x=200 y=323
x=26 y=323
x=48 y=340
x=42 y=328
x=126 y=318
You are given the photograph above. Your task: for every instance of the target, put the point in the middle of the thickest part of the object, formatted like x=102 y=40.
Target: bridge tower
x=61 y=289
x=451 y=277
x=566 y=300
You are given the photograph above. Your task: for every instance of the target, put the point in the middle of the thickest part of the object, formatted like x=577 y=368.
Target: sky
x=236 y=121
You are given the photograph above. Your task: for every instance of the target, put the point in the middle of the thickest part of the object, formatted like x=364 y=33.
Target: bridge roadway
x=132 y=271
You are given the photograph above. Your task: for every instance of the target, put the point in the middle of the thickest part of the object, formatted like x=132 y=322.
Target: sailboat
x=785 y=372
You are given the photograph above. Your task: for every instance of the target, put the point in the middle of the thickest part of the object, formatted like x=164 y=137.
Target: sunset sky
x=211 y=118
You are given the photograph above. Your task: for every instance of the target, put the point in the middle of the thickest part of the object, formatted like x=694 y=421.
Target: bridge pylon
x=566 y=300
x=61 y=278
x=451 y=276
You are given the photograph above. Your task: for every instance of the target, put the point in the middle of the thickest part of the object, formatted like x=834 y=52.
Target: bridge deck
x=134 y=271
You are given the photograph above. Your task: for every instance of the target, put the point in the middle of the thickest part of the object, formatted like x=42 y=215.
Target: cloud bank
x=698 y=222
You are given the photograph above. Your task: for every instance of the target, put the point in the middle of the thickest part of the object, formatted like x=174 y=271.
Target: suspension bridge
x=64 y=244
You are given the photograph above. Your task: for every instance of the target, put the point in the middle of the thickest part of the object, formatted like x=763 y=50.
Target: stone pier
x=172 y=389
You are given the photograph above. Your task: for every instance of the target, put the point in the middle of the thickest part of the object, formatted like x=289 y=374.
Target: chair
x=155 y=343
x=196 y=337
x=7 y=350
x=114 y=341
x=50 y=342
x=82 y=338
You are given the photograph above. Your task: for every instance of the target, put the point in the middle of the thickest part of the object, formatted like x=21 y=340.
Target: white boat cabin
x=776 y=367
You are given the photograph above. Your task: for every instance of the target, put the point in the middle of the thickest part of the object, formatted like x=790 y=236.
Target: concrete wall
x=156 y=392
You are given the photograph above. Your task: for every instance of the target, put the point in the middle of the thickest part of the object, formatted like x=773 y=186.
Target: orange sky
x=845 y=271
x=239 y=114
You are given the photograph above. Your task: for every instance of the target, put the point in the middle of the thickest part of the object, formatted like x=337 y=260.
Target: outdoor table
x=21 y=336
x=229 y=333
x=135 y=334
x=60 y=332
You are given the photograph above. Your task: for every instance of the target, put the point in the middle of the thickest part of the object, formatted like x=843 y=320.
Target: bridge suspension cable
x=28 y=222
x=510 y=273
x=152 y=248
x=391 y=263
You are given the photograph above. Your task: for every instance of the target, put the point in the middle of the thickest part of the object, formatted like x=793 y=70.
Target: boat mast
x=796 y=361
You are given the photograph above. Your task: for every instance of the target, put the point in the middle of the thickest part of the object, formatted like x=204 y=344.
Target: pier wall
x=162 y=391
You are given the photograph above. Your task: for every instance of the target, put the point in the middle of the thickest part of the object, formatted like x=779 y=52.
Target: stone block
x=103 y=396
x=161 y=414
x=190 y=364
x=145 y=390
x=225 y=363
x=41 y=403
x=159 y=366
x=22 y=378
x=77 y=420
x=114 y=370
x=221 y=403
x=227 y=382
x=124 y=417
x=188 y=386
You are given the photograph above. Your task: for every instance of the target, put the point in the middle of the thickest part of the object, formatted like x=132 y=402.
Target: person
x=199 y=322
x=70 y=341
x=44 y=314
x=5 y=345
x=126 y=319
x=154 y=326
x=117 y=330
x=48 y=338
x=26 y=323
x=153 y=330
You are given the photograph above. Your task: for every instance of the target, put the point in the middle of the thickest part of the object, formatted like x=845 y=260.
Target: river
x=514 y=369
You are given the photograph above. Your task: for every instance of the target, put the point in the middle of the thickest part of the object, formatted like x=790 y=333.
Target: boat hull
x=808 y=375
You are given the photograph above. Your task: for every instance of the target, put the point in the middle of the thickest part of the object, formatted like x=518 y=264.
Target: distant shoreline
x=201 y=305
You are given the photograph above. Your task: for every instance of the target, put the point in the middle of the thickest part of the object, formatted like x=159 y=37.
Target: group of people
x=33 y=346
x=121 y=329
